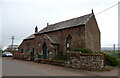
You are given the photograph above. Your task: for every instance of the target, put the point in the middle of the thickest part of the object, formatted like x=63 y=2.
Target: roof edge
x=59 y=29
x=28 y=39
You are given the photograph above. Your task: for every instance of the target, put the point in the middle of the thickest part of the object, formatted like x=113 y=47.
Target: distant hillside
x=110 y=48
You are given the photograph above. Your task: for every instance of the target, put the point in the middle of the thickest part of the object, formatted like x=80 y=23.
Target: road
x=13 y=67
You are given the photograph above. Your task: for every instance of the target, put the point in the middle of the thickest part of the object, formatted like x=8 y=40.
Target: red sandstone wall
x=92 y=35
x=23 y=45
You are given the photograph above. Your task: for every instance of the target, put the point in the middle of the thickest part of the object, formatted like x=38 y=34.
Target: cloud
x=10 y=1
x=28 y=1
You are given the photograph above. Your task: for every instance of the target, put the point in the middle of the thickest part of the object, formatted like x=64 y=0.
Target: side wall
x=92 y=35
x=23 y=46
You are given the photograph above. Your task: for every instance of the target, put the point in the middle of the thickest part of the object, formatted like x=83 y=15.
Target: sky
x=19 y=17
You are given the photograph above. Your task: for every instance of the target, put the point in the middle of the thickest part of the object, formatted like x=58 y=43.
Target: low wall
x=21 y=56
x=74 y=60
x=85 y=61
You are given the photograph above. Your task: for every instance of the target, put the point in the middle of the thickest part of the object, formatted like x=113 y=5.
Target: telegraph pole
x=114 y=47
x=12 y=42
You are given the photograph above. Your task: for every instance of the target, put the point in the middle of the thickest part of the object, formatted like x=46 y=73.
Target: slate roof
x=30 y=37
x=82 y=20
x=66 y=24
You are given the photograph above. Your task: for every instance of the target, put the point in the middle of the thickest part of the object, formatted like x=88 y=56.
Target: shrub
x=83 y=50
x=112 y=60
x=0 y=50
x=64 y=57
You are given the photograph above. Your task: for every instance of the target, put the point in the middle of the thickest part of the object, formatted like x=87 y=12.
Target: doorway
x=44 y=50
x=32 y=55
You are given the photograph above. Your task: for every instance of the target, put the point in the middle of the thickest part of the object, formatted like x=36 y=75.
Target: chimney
x=92 y=11
x=47 y=24
x=36 y=29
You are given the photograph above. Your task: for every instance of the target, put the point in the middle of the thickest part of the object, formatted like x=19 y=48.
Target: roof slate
x=66 y=24
x=82 y=20
x=30 y=37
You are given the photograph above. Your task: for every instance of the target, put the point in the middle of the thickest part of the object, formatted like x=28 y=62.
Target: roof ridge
x=70 y=19
x=81 y=20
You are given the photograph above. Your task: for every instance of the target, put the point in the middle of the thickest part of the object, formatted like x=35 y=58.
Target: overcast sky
x=19 y=17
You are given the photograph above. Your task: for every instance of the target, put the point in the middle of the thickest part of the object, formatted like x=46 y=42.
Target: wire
x=108 y=8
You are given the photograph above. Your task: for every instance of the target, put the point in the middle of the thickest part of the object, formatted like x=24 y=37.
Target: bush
x=0 y=50
x=112 y=60
x=83 y=50
x=64 y=57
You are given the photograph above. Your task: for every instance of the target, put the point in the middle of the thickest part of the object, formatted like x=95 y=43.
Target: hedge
x=112 y=60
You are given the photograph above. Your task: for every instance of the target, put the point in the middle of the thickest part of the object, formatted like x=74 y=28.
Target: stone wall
x=21 y=56
x=74 y=60
x=23 y=45
x=85 y=61
x=92 y=35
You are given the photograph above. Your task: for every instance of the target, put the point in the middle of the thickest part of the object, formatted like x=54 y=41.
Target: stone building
x=56 y=39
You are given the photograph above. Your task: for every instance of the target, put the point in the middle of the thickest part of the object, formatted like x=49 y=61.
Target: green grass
x=84 y=50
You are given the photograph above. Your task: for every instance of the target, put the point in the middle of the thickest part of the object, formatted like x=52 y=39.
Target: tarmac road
x=13 y=67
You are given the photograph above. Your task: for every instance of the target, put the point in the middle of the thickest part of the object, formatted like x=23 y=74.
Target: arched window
x=68 y=42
